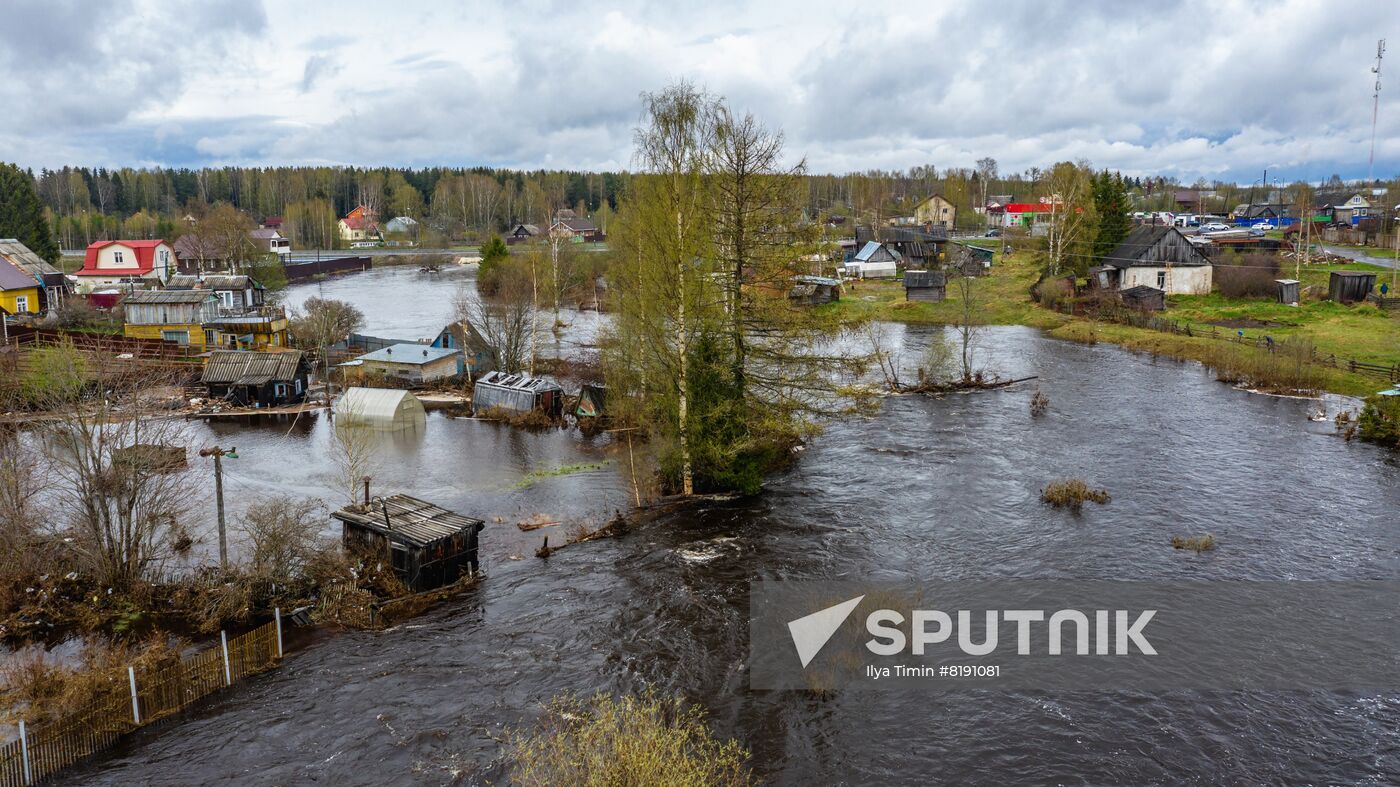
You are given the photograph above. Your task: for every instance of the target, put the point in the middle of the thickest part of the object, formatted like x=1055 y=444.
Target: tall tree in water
x=22 y=214
x=1112 y=205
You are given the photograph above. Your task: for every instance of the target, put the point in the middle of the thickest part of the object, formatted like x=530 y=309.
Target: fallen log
x=962 y=385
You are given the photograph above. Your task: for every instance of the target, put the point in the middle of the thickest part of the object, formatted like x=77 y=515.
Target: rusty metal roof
x=410 y=520
x=245 y=367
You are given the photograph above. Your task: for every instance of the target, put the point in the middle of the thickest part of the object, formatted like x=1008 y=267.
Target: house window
x=117 y=258
x=226 y=299
x=298 y=385
x=179 y=337
x=1161 y=280
x=22 y=304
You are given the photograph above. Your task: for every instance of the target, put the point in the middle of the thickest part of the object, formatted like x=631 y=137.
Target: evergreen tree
x=1111 y=203
x=22 y=214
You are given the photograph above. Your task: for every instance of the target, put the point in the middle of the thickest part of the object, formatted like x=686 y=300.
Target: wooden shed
x=517 y=393
x=1287 y=290
x=1350 y=286
x=427 y=546
x=592 y=401
x=1144 y=298
x=257 y=379
x=928 y=286
x=814 y=290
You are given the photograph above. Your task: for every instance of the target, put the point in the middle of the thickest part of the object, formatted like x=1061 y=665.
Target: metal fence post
x=278 y=613
x=135 y=706
x=24 y=752
x=228 y=673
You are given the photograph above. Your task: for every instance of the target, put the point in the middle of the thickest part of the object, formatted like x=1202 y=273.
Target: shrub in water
x=1197 y=544
x=1071 y=494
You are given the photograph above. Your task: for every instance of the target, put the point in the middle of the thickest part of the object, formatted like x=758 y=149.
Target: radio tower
x=1375 y=108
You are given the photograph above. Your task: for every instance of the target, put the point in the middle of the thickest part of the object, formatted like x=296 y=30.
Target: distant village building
x=874 y=261
x=234 y=292
x=927 y=286
x=1155 y=256
x=1350 y=286
x=1352 y=211
x=52 y=284
x=272 y=241
x=575 y=229
x=522 y=233
x=426 y=546
x=413 y=364
x=935 y=210
x=517 y=393
x=248 y=329
x=461 y=335
x=172 y=315
x=920 y=248
x=401 y=225
x=256 y=379
x=359 y=225
x=142 y=263
x=814 y=290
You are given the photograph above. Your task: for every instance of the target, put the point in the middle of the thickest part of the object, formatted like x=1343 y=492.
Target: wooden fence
x=43 y=750
x=1139 y=319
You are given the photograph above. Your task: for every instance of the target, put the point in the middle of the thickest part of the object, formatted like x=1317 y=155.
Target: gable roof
x=1141 y=291
x=868 y=250
x=242 y=367
x=918 y=280
x=21 y=257
x=360 y=219
x=12 y=277
x=1131 y=252
x=412 y=521
x=186 y=281
x=264 y=233
x=169 y=296
x=416 y=354
x=577 y=225
x=145 y=251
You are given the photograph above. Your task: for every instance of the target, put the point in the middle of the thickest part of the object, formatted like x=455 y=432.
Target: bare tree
x=322 y=322
x=354 y=451
x=504 y=320
x=284 y=536
x=968 y=328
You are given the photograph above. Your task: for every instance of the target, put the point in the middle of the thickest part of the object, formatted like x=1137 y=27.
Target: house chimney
x=425 y=353
x=388 y=350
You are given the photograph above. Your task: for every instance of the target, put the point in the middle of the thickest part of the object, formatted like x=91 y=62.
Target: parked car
x=1262 y=225
x=1215 y=226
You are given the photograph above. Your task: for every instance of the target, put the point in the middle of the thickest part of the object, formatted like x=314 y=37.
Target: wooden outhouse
x=928 y=286
x=427 y=546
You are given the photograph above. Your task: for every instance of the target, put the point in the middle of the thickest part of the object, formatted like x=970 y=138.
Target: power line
x=1375 y=108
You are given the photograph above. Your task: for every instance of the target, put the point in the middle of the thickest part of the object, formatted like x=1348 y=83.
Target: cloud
x=1221 y=89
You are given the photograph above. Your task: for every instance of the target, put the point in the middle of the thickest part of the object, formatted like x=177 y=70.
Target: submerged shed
x=1350 y=286
x=517 y=393
x=591 y=401
x=258 y=379
x=427 y=545
x=385 y=408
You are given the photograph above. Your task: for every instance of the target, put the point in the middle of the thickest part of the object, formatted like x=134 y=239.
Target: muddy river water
x=928 y=488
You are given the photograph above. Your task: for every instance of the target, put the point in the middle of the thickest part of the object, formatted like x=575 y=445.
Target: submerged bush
x=1197 y=544
x=1287 y=367
x=1071 y=494
x=1040 y=403
x=631 y=740
x=1380 y=420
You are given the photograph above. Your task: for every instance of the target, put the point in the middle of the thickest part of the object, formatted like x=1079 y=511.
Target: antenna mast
x=1375 y=108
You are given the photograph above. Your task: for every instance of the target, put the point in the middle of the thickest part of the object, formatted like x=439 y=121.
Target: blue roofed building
x=411 y=364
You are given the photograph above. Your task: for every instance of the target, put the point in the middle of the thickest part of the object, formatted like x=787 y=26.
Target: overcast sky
x=1219 y=89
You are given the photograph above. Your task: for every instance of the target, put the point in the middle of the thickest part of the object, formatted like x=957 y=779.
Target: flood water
x=930 y=488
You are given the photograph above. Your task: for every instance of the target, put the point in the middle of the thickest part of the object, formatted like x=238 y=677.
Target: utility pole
x=1375 y=109
x=218 y=454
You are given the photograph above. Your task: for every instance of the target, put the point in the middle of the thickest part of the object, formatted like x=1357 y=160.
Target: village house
x=575 y=229
x=359 y=225
x=927 y=286
x=114 y=263
x=1154 y=256
x=19 y=292
x=256 y=379
x=53 y=285
x=1019 y=214
x=875 y=260
x=426 y=546
x=919 y=247
x=272 y=241
x=479 y=355
x=517 y=393
x=412 y=364
x=522 y=233
x=935 y=210
x=248 y=329
x=173 y=315
x=234 y=292
x=1352 y=211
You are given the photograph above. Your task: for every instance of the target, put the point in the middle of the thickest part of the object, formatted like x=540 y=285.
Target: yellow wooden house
x=19 y=292
x=173 y=315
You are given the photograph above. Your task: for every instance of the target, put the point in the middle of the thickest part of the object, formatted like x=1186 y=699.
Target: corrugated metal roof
x=13 y=278
x=186 y=281
x=21 y=256
x=408 y=353
x=242 y=367
x=867 y=250
x=411 y=521
x=169 y=296
x=518 y=382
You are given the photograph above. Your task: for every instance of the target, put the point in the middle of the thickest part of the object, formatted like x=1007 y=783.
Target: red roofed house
x=1017 y=214
x=115 y=262
x=359 y=225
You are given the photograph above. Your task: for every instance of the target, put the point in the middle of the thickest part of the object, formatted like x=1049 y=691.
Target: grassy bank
x=1361 y=332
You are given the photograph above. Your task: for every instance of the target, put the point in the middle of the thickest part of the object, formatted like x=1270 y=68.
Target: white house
x=1155 y=256
x=271 y=240
x=110 y=263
